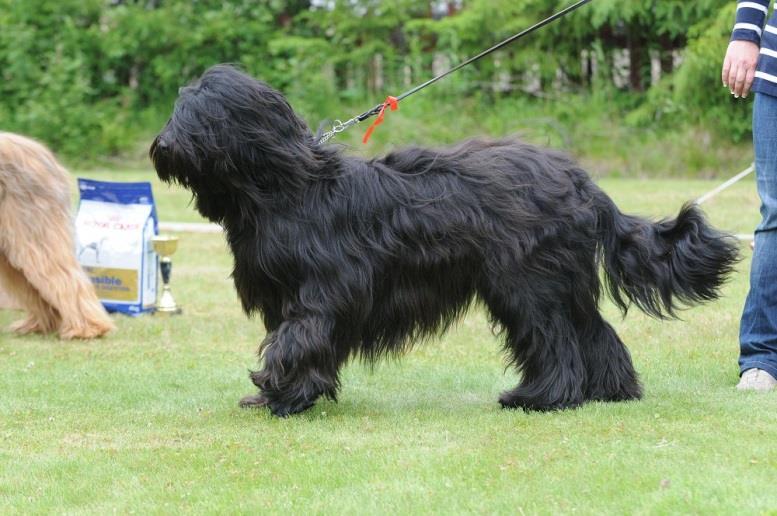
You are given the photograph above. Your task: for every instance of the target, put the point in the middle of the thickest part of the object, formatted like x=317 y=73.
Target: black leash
x=393 y=102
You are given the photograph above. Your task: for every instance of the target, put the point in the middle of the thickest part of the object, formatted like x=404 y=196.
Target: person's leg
x=758 y=328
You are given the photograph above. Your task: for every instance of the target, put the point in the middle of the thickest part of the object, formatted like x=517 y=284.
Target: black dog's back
x=427 y=227
x=343 y=256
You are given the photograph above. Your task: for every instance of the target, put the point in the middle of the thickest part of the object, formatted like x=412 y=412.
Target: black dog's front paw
x=285 y=409
x=253 y=401
x=277 y=408
x=286 y=395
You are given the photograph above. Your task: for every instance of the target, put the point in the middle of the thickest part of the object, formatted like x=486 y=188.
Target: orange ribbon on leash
x=390 y=102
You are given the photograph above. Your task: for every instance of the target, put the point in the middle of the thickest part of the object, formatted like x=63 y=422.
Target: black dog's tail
x=660 y=266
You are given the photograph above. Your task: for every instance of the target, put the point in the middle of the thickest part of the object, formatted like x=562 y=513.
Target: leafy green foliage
x=91 y=76
x=698 y=85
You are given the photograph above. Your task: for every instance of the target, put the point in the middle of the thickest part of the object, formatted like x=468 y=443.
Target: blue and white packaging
x=114 y=226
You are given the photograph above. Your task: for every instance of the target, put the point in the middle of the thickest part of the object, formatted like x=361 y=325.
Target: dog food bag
x=114 y=226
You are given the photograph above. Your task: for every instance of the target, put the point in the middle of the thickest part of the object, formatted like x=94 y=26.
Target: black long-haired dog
x=349 y=257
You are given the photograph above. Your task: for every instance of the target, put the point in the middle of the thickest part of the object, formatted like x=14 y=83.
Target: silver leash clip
x=337 y=127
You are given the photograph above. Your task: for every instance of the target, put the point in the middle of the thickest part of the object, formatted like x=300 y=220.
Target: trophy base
x=167 y=304
x=168 y=311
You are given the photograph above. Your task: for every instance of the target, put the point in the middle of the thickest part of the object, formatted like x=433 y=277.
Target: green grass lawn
x=146 y=420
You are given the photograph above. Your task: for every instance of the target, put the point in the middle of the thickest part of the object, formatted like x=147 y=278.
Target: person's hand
x=739 y=67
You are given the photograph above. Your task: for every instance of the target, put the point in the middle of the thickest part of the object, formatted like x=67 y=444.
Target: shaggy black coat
x=343 y=256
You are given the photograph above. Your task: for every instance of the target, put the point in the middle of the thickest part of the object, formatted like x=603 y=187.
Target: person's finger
x=748 y=81
x=732 y=76
x=739 y=84
x=726 y=69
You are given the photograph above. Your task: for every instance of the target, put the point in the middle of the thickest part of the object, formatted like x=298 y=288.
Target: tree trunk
x=639 y=59
x=667 y=55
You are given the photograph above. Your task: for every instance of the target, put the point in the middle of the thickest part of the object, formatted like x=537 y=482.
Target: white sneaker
x=756 y=380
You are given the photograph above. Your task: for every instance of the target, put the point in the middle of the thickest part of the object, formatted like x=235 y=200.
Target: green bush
x=91 y=77
x=698 y=90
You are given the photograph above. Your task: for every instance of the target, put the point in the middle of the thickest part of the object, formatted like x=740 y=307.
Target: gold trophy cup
x=165 y=246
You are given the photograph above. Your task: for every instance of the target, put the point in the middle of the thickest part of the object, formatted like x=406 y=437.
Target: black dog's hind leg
x=540 y=339
x=611 y=375
x=552 y=370
x=300 y=364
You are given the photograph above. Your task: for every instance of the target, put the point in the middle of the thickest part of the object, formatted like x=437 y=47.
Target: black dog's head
x=230 y=136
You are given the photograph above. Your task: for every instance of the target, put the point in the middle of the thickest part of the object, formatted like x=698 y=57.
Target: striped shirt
x=751 y=25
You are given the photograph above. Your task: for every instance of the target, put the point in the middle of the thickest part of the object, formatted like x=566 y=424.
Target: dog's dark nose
x=160 y=148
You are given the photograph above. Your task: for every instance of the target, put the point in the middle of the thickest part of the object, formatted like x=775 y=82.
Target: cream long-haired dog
x=38 y=266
